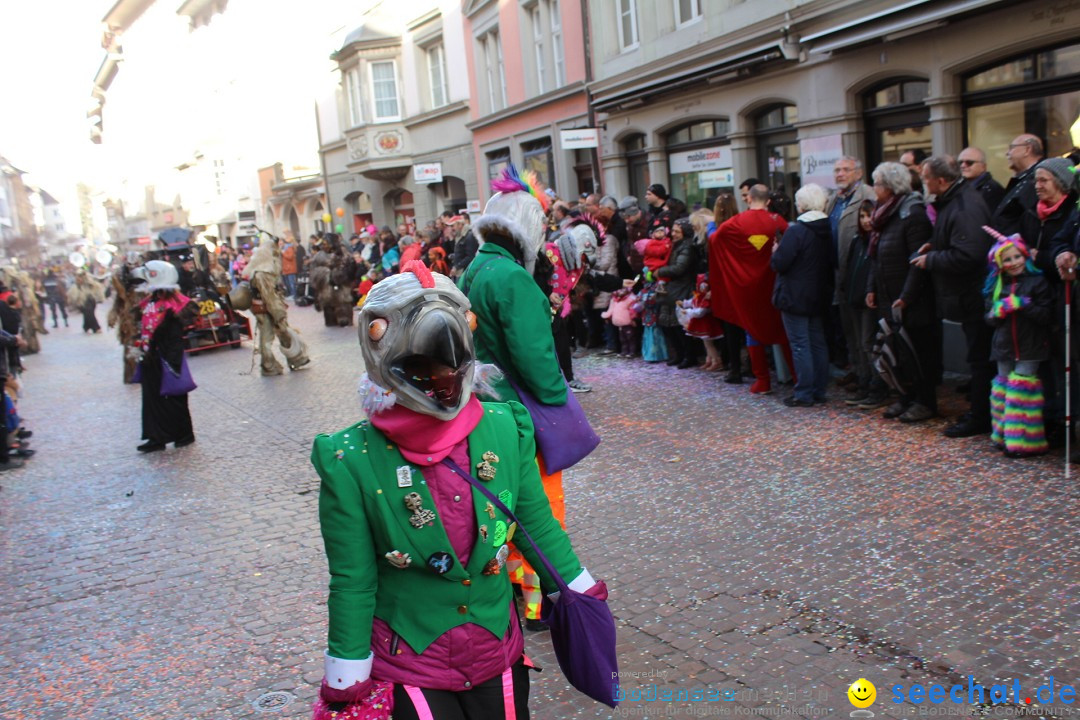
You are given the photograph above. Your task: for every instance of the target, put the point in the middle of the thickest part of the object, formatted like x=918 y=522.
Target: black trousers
x=979 y=337
x=482 y=702
x=560 y=330
x=734 y=340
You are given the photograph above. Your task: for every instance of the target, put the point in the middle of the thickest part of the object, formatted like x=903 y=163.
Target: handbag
x=174 y=383
x=582 y=627
x=563 y=433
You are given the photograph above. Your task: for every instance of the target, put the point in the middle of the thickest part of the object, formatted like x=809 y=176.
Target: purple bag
x=563 y=433
x=173 y=383
x=582 y=627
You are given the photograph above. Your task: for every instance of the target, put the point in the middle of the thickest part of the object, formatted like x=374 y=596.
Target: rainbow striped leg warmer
x=997 y=411
x=1023 y=417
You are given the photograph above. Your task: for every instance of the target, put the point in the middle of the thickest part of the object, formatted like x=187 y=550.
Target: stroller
x=303 y=290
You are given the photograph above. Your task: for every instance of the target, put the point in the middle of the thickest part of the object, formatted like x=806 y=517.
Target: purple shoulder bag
x=582 y=627
x=563 y=433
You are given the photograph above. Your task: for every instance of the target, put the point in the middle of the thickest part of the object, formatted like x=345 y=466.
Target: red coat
x=740 y=277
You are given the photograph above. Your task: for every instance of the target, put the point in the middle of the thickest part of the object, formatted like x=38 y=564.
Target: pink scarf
x=423 y=439
x=1045 y=210
x=154 y=311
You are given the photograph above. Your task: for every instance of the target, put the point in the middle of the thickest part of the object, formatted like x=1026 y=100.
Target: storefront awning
x=897 y=21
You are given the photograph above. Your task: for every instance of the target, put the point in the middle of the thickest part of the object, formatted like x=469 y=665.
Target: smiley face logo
x=862 y=693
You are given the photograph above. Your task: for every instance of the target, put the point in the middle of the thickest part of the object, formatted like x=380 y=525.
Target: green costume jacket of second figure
x=513 y=325
x=364 y=516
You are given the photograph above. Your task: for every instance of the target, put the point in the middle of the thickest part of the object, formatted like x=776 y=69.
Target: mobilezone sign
x=713 y=158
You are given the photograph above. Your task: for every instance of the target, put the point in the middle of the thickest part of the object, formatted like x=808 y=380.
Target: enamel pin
x=398 y=559
x=420 y=516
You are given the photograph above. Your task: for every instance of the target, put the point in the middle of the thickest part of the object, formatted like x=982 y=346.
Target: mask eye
x=470 y=317
x=377 y=328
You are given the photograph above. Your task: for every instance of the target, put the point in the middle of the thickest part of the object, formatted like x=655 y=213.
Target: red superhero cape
x=740 y=277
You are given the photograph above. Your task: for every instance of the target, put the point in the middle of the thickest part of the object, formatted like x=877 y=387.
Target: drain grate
x=271 y=701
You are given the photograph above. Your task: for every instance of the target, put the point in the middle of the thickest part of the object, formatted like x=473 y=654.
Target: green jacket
x=363 y=516
x=513 y=325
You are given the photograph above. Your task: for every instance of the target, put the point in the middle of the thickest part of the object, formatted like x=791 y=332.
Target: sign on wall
x=716 y=178
x=713 y=158
x=819 y=155
x=579 y=138
x=425 y=173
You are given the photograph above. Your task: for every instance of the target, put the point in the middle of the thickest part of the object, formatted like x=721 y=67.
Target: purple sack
x=563 y=434
x=582 y=627
x=173 y=383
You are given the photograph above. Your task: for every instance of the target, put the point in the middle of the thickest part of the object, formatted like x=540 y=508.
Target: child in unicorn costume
x=1019 y=305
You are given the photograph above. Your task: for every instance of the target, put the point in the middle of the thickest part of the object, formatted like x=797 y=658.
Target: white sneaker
x=579 y=387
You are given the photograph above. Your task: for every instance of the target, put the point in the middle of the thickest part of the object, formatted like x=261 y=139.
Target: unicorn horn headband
x=1003 y=242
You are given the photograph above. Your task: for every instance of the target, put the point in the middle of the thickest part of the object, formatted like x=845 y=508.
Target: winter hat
x=658 y=190
x=1062 y=170
x=628 y=203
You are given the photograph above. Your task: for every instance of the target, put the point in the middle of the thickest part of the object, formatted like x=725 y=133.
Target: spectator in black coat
x=805 y=265
x=956 y=259
x=1025 y=152
x=901 y=292
x=973 y=168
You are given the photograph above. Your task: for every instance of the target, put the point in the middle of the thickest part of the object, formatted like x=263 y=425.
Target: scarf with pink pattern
x=154 y=311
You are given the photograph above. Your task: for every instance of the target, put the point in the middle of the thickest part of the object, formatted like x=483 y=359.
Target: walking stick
x=1068 y=375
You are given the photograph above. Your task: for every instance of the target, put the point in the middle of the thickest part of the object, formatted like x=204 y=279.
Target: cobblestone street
x=776 y=553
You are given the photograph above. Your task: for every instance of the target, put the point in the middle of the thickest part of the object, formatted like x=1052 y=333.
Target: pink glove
x=598 y=591
x=367 y=700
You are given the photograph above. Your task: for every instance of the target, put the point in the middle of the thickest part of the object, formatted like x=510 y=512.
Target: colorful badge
x=510 y=532
x=490 y=509
x=404 y=476
x=398 y=559
x=441 y=562
x=500 y=533
x=483 y=533
x=505 y=497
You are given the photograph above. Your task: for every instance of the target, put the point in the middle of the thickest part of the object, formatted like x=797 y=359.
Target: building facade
x=393 y=140
x=702 y=94
x=528 y=78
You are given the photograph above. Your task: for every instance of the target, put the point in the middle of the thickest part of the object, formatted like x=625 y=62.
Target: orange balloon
x=340 y=212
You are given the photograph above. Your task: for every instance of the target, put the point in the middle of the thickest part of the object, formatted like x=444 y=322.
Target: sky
x=247 y=82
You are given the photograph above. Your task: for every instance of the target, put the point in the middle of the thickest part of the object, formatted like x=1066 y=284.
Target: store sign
x=579 y=138
x=427 y=173
x=819 y=156
x=714 y=158
x=716 y=178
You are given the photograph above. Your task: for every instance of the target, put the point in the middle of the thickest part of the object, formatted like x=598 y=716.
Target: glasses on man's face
x=1013 y=146
x=970 y=162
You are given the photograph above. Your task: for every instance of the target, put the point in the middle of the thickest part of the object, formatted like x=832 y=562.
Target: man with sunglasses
x=973 y=168
x=1024 y=153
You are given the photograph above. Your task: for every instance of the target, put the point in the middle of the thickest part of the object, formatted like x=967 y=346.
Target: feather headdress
x=512 y=181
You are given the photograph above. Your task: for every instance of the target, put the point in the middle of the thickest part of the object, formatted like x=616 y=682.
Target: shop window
x=1035 y=93
x=699 y=162
x=583 y=170
x=897 y=119
x=778 y=148
x=538 y=157
x=637 y=162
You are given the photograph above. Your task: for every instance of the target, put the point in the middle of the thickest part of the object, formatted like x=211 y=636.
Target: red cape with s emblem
x=740 y=277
